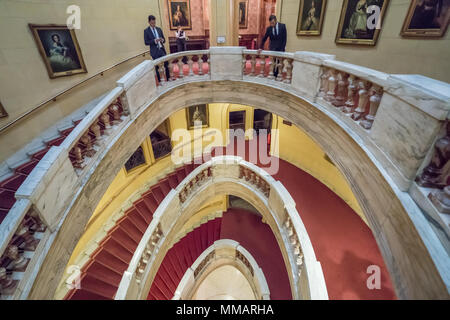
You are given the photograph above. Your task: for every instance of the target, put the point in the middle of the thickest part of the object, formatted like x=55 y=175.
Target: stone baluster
x=106 y=122
x=207 y=62
x=79 y=159
x=351 y=90
x=332 y=81
x=253 y=65
x=435 y=174
x=19 y=262
x=180 y=68
x=374 y=102
x=7 y=284
x=289 y=67
x=441 y=199
x=96 y=130
x=115 y=110
x=293 y=240
x=162 y=74
x=25 y=233
x=271 y=68
x=171 y=67
x=324 y=82
x=200 y=65
x=363 y=100
x=340 y=92
x=191 y=65
x=86 y=140
x=280 y=66
x=262 y=65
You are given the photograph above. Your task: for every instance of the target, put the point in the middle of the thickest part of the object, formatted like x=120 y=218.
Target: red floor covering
x=257 y=238
x=343 y=243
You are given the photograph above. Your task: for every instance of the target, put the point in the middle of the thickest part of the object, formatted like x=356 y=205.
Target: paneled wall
x=392 y=54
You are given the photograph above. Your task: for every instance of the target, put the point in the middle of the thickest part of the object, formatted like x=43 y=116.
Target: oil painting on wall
x=180 y=14
x=427 y=18
x=59 y=48
x=310 y=17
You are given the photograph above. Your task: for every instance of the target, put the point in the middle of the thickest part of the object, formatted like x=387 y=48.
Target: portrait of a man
x=353 y=25
x=310 y=17
x=59 y=49
x=243 y=14
x=427 y=18
x=179 y=14
x=197 y=116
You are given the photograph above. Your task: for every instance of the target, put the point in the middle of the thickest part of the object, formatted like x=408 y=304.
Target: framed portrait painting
x=243 y=14
x=3 y=112
x=197 y=116
x=310 y=17
x=179 y=14
x=427 y=18
x=59 y=48
x=353 y=24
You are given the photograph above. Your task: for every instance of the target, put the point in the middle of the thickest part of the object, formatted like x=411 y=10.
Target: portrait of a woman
x=358 y=21
x=179 y=14
x=60 y=56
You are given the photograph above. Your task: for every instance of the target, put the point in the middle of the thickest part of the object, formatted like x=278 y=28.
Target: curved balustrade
x=223 y=252
x=271 y=194
x=391 y=120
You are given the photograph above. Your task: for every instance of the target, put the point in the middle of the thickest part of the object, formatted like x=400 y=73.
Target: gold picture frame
x=352 y=18
x=3 y=113
x=179 y=14
x=202 y=115
x=417 y=24
x=243 y=14
x=59 y=48
x=307 y=23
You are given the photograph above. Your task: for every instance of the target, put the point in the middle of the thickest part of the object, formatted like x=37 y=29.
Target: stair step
x=137 y=219
x=165 y=186
x=121 y=236
x=81 y=294
x=103 y=273
x=166 y=276
x=157 y=193
x=98 y=287
x=130 y=228
x=27 y=167
x=145 y=211
x=7 y=199
x=117 y=249
x=13 y=183
x=175 y=264
x=150 y=201
x=162 y=287
x=173 y=180
x=181 y=174
x=109 y=260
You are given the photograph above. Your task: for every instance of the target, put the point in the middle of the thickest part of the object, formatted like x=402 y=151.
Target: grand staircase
x=101 y=275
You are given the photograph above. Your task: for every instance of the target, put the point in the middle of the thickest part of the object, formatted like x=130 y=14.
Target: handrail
x=65 y=91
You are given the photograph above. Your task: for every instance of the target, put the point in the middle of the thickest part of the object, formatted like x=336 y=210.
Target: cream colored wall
x=392 y=54
x=296 y=147
x=111 y=31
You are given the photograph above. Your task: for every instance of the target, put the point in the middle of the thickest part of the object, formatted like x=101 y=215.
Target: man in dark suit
x=277 y=34
x=154 y=37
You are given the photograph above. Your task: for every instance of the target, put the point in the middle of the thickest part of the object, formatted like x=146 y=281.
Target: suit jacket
x=277 y=42
x=149 y=39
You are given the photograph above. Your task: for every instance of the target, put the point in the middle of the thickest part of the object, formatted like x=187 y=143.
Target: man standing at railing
x=154 y=37
x=277 y=34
